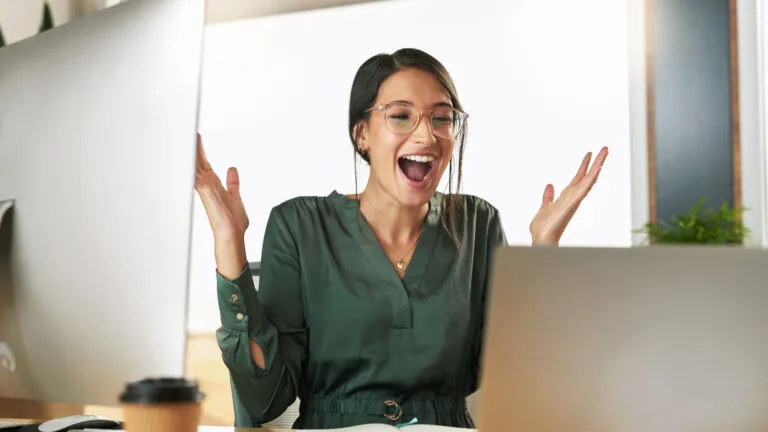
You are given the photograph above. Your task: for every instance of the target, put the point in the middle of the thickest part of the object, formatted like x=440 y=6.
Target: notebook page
x=361 y=428
x=387 y=428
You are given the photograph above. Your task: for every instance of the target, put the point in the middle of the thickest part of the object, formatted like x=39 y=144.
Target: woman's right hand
x=226 y=214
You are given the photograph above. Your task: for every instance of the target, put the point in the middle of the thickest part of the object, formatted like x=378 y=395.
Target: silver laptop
x=622 y=340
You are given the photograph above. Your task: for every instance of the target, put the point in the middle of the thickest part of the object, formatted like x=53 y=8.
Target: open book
x=388 y=428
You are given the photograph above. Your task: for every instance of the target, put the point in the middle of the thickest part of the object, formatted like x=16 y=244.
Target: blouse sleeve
x=272 y=317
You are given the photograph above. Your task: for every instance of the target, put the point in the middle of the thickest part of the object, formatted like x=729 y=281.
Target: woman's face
x=409 y=152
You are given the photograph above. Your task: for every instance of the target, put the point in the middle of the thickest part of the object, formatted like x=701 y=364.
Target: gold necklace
x=401 y=264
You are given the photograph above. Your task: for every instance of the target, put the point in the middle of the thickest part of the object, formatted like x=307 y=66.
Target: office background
x=542 y=89
x=681 y=117
x=569 y=68
x=676 y=88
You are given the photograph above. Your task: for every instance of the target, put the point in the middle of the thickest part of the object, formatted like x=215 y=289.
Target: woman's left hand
x=554 y=215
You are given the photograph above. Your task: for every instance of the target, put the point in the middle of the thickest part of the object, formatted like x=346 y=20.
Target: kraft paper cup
x=161 y=405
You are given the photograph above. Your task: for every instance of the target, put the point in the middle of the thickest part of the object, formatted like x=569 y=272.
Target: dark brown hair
x=365 y=90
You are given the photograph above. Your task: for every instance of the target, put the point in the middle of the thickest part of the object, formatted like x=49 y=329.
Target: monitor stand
x=17 y=408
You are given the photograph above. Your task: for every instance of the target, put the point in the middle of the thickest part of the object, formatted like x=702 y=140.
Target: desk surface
x=201 y=429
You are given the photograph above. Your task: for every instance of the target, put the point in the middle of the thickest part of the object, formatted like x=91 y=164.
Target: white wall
x=761 y=35
x=20 y=19
x=638 y=118
x=752 y=95
x=544 y=82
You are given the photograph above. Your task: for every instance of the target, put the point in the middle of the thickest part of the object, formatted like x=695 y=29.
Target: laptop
x=659 y=338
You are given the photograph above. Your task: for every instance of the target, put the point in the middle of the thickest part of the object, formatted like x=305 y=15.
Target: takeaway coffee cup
x=161 y=405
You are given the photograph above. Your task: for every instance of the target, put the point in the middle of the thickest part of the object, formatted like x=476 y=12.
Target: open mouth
x=416 y=168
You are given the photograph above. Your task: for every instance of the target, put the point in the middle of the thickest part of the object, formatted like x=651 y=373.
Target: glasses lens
x=401 y=119
x=446 y=122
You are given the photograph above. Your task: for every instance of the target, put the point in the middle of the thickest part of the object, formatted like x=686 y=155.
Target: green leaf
x=47 y=23
x=702 y=225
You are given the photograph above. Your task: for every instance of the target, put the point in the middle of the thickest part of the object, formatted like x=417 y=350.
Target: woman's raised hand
x=226 y=213
x=554 y=214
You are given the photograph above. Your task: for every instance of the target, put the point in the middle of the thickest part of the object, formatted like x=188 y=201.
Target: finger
x=548 y=197
x=582 y=169
x=589 y=181
x=202 y=159
x=233 y=183
x=233 y=186
x=597 y=165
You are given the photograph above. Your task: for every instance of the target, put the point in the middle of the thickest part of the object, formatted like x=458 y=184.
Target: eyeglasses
x=403 y=118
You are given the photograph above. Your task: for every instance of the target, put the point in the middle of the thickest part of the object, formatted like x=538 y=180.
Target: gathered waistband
x=391 y=408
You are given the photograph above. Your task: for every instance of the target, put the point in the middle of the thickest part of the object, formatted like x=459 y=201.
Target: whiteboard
x=544 y=81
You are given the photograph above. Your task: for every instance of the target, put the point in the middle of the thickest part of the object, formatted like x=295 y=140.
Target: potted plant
x=701 y=225
x=45 y=24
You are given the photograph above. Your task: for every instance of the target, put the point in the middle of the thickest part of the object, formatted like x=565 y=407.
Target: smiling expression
x=408 y=164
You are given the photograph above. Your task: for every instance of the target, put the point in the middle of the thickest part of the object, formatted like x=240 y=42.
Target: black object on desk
x=72 y=423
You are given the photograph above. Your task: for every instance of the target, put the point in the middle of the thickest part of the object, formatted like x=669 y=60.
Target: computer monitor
x=660 y=338
x=98 y=121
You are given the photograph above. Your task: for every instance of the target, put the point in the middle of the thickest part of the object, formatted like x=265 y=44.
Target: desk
x=201 y=429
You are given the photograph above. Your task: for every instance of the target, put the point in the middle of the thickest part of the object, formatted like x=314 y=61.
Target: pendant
x=400 y=265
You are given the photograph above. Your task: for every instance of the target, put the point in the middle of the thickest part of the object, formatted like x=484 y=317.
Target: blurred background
x=675 y=88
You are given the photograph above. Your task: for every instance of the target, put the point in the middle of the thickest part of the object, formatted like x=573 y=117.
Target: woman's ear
x=360 y=133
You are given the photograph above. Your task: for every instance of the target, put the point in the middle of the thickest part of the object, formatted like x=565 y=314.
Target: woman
x=370 y=307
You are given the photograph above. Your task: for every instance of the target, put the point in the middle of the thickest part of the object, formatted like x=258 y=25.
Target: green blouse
x=343 y=333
